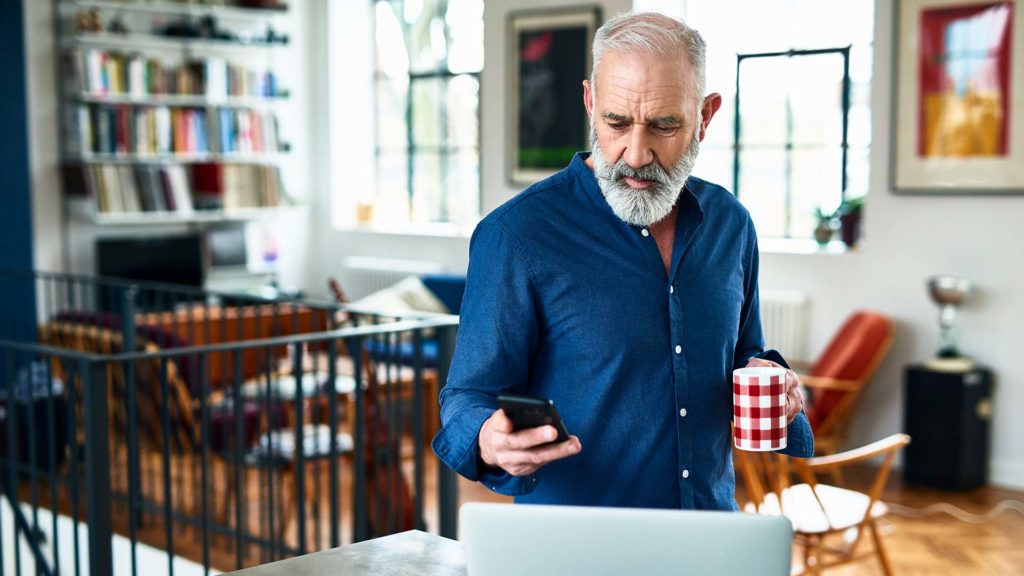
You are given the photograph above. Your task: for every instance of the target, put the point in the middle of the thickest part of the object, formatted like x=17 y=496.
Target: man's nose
x=638 y=152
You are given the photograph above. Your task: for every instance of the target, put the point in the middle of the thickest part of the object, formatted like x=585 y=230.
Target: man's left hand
x=794 y=396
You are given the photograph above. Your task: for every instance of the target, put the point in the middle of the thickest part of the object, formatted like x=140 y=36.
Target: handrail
x=42 y=567
x=347 y=333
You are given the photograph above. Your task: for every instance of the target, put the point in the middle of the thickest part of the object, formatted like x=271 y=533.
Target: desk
x=411 y=553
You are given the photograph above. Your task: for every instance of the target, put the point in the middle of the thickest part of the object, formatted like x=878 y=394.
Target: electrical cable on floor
x=958 y=513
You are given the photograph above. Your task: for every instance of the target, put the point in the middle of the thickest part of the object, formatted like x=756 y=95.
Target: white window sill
x=799 y=246
x=425 y=229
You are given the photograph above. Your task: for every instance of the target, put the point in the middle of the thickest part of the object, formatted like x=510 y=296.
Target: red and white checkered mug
x=759 y=408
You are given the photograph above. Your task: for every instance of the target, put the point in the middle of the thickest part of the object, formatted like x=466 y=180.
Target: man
x=623 y=289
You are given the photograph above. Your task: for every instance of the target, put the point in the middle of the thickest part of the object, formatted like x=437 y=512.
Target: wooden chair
x=840 y=374
x=822 y=514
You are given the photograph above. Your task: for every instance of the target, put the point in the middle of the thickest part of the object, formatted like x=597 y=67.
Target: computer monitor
x=227 y=247
x=176 y=259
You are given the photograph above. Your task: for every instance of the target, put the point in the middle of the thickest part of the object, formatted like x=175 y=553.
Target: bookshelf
x=172 y=111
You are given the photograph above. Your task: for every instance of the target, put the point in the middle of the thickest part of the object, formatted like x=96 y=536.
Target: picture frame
x=958 y=97
x=548 y=59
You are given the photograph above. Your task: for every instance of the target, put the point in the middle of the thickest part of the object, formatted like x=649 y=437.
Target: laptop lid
x=506 y=540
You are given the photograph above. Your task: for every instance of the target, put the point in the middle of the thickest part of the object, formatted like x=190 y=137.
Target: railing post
x=97 y=468
x=447 y=485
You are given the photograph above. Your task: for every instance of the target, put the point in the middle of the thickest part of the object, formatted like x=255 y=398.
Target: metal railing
x=303 y=426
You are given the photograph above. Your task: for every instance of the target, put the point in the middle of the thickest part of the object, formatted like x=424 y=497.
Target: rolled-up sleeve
x=497 y=337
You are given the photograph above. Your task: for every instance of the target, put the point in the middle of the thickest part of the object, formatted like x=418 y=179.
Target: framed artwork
x=548 y=59
x=958 y=97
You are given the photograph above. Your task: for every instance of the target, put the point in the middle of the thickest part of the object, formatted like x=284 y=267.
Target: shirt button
x=686 y=473
x=682 y=412
x=679 y=349
x=644 y=232
x=671 y=289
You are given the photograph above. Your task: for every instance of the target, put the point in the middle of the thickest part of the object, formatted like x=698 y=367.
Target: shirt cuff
x=456 y=444
x=501 y=482
x=799 y=438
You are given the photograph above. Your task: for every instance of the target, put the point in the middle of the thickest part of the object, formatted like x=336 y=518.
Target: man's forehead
x=643 y=76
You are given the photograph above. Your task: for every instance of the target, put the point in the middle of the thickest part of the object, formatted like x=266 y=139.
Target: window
x=790 y=136
x=801 y=134
x=426 y=86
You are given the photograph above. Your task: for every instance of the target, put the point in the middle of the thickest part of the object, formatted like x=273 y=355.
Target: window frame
x=443 y=151
x=788 y=146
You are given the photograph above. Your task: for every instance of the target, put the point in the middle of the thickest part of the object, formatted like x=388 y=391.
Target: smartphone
x=529 y=412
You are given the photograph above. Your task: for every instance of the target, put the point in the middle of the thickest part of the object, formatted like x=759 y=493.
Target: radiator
x=365 y=275
x=784 y=320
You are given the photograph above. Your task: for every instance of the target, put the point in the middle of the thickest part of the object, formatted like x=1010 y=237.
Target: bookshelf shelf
x=153 y=41
x=199 y=158
x=83 y=211
x=159 y=7
x=188 y=100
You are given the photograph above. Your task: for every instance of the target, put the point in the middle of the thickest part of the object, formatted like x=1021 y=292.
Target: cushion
x=410 y=294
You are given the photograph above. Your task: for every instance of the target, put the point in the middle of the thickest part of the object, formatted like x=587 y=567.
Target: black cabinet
x=947 y=417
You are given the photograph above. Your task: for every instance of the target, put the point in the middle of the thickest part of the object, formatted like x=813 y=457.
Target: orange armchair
x=841 y=372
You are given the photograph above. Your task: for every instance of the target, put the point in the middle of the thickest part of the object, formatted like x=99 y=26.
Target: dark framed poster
x=549 y=57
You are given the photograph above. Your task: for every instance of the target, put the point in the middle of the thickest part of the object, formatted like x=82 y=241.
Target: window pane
x=462 y=105
x=392 y=57
x=427 y=118
x=858 y=170
x=391 y=202
x=465 y=20
x=860 y=126
x=816 y=182
x=714 y=164
x=427 y=35
x=816 y=99
x=462 y=182
x=426 y=181
x=763 y=189
x=762 y=101
x=391 y=97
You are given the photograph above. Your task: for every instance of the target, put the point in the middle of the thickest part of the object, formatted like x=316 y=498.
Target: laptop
x=507 y=539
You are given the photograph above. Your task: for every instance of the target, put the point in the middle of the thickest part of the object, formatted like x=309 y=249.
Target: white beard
x=650 y=205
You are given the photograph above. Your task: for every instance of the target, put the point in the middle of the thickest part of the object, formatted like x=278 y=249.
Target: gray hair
x=652 y=33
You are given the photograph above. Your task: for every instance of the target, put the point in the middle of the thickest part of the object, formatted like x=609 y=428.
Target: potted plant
x=849 y=220
x=826 y=226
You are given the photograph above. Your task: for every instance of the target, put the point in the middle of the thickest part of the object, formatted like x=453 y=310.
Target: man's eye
x=618 y=125
x=665 y=130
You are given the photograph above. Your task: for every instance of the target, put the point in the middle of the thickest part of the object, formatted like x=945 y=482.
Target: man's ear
x=588 y=99
x=711 y=105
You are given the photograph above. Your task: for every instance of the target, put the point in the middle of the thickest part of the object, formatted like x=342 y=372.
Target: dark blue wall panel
x=17 y=297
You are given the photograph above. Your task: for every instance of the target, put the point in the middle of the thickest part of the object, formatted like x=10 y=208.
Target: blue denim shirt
x=566 y=301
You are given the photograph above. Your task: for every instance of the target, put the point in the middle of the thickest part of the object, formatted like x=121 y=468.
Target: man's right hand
x=521 y=453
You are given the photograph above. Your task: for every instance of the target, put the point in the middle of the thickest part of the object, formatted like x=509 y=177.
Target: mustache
x=621 y=169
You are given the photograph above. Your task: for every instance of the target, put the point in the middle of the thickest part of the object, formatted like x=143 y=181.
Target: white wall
x=906 y=239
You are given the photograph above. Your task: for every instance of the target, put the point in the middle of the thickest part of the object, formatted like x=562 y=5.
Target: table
x=412 y=553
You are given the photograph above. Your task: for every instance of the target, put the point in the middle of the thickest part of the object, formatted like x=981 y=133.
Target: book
x=129 y=190
x=179 y=190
